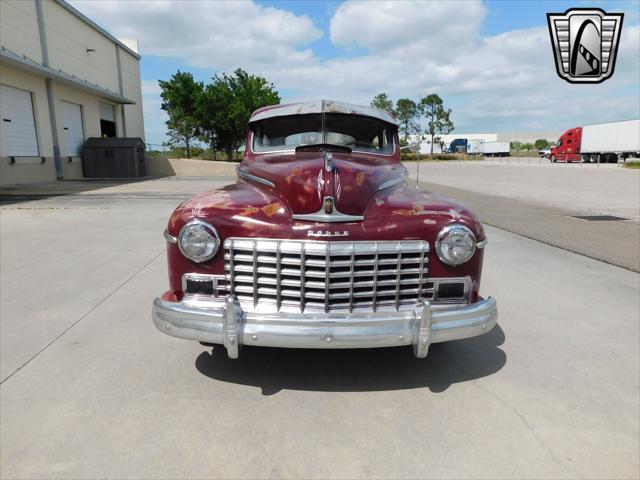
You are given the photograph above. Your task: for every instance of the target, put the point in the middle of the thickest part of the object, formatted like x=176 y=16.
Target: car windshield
x=359 y=133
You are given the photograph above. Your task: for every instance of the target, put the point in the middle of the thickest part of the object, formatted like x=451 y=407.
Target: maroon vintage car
x=321 y=243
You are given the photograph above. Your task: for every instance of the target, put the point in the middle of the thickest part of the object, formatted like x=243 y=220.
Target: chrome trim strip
x=170 y=238
x=423 y=331
x=202 y=277
x=224 y=322
x=392 y=182
x=255 y=178
x=232 y=327
x=452 y=301
x=334 y=217
x=328 y=161
x=483 y=243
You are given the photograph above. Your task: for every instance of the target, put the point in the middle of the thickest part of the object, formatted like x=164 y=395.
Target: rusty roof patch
x=321 y=106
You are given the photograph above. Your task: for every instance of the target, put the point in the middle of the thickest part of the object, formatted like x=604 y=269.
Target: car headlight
x=455 y=244
x=198 y=241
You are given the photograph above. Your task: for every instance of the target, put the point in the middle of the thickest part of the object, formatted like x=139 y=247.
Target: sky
x=491 y=61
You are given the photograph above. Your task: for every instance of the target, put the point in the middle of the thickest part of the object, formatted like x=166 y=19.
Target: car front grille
x=318 y=276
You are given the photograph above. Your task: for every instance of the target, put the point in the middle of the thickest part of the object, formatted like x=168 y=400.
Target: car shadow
x=358 y=370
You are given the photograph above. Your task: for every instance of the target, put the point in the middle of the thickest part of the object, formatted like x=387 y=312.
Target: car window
x=359 y=133
x=283 y=133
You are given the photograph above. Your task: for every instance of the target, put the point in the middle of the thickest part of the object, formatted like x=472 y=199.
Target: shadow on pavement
x=10 y=194
x=358 y=370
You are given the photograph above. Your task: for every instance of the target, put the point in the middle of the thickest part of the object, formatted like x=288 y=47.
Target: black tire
x=553 y=159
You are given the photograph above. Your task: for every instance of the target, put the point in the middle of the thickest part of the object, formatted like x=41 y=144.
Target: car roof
x=320 y=106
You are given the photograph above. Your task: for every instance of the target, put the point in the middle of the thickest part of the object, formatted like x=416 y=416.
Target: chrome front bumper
x=224 y=322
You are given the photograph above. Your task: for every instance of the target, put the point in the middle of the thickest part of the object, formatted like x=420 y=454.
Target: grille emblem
x=327 y=233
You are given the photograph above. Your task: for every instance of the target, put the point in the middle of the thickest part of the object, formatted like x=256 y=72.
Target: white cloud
x=421 y=26
x=502 y=82
x=217 y=35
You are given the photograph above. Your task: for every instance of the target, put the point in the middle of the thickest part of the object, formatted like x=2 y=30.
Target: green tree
x=383 y=102
x=438 y=118
x=407 y=113
x=181 y=96
x=527 y=146
x=227 y=104
x=541 y=143
x=515 y=146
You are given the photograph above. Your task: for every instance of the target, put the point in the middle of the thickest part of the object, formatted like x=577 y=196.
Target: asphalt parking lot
x=584 y=208
x=91 y=390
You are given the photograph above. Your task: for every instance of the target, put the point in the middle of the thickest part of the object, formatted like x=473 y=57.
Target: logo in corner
x=585 y=43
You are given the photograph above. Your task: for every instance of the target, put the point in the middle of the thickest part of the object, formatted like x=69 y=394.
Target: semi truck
x=496 y=149
x=458 y=145
x=598 y=143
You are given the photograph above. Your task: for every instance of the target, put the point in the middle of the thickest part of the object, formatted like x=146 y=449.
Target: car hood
x=302 y=179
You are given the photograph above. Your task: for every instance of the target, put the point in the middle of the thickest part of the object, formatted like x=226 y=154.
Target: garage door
x=72 y=128
x=19 y=137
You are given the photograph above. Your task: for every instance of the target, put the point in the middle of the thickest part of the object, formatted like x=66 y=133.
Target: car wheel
x=553 y=159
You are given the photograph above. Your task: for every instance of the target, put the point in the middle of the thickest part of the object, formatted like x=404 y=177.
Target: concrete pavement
x=91 y=390
x=541 y=201
x=580 y=188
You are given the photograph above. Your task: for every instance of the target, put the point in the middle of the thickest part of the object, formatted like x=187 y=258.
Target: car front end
x=323 y=244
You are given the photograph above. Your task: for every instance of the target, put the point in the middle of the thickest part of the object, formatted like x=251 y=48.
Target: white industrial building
x=425 y=140
x=63 y=79
x=529 y=137
x=524 y=137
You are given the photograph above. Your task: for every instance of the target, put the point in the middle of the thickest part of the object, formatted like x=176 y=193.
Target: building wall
x=19 y=28
x=68 y=40
x=26 y=169
x=132 y=88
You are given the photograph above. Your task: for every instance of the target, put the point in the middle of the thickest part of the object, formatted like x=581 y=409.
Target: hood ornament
x=328 y=161
x=328 y=205
x=328 y=213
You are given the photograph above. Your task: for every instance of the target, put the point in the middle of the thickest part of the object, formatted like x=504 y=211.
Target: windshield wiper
x=329 y=147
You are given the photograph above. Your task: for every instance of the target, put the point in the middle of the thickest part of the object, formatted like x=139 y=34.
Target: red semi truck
x=600 y=142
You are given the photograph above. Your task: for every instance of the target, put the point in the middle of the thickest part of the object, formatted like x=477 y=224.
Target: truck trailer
x=600 y=142
x=496 y=149
x=475 y=146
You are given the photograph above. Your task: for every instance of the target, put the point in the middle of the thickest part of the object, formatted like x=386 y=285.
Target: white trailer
x=475 y=146
x=610 y=141
x=496 y=149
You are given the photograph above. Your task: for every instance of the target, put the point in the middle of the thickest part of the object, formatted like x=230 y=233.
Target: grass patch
x=524 y=153
x=632 y=164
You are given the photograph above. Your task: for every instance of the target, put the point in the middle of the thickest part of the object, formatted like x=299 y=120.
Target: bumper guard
x=223 y=321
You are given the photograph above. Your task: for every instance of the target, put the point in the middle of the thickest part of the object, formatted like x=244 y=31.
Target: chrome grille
x=299 y=275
